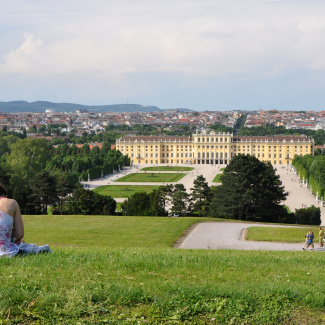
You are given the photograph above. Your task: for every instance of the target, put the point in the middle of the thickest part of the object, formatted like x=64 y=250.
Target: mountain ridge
x=20 y=106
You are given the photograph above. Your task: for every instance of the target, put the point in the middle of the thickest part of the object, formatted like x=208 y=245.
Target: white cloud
x=108 y=40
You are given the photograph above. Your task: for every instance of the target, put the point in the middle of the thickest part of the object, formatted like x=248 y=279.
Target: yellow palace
x=213 y=148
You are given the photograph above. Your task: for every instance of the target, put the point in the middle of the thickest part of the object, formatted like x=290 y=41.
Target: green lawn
x=217 y=179
x=289 y=235
x=124 y=191
x=122 y=270
x=168 y=168
x=152 y=177
x=110 y=231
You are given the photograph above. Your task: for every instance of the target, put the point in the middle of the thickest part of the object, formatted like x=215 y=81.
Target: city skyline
x=211 y=55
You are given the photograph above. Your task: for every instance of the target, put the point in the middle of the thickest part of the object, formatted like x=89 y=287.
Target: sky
x=196 y=54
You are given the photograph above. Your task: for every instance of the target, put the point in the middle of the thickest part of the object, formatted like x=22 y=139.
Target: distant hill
x=41 y=106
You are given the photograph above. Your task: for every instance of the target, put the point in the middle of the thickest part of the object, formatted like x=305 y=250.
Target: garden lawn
x=109 y=277
x=152 y=177
x=110 y=231
x=277 y=234
x=168 y=168
x=217 y=179
x=123 y=191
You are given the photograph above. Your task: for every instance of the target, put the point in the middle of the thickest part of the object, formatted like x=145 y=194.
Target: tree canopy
x=250 y=190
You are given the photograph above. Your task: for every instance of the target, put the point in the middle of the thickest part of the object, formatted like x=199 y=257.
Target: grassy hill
x=122 y=270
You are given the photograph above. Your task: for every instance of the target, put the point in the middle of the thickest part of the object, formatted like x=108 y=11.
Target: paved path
x=228 y=235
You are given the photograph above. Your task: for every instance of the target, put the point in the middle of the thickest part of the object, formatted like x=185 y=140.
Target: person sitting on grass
x=310 y=240
x=12 y=229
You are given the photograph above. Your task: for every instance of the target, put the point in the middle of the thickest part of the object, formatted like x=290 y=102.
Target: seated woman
x=12 y=229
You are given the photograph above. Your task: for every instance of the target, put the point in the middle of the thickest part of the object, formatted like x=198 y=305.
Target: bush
x=308 y=216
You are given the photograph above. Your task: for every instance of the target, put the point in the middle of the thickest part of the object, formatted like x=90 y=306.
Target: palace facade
x=213 y=148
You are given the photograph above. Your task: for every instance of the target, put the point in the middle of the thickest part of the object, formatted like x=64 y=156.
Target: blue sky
x=215 y=55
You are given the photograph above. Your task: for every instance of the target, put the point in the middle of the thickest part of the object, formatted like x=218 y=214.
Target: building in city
x=213 y=148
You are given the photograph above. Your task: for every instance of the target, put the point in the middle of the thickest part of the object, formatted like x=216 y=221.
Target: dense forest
x=39 y=175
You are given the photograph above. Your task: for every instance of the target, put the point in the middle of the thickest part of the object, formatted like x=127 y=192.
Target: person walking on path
x=321 y=237
x=310 y=240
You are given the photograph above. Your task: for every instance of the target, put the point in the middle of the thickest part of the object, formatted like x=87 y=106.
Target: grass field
x=168 y=168
x=122 y=270
x=152 y=177
x=288 y=235
x=217 y=179
x=123 y=191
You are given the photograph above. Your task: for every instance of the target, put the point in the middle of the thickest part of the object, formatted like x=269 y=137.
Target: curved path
x=228 y=235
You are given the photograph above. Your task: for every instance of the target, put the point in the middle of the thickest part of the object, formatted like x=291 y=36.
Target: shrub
x=308 y=216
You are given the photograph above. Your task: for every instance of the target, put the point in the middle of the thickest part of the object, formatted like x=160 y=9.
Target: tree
x=180 y=200
x=44 y=187
x=138 y=204
x=308 y=216
x=87 y=202
x=32 y=129
x=201 y=196
x=166 y=193
x=4 y=148
x=27 y=158
x=5 y=180
x=62 y=189
x=105 y=148
x=250 y=190
x=85 y=149
x=157 y=202
x=318 y=152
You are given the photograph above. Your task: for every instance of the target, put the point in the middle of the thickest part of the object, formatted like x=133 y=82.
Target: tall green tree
x=4 y=148
x=137 y=204
x=44 y=187
x=180 y=200
x=27 y=158
x=166 y=194
x=250 y=190
x=201 y=196
x=157 y=203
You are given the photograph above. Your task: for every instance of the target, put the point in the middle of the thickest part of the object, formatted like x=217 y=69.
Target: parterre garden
x=123 y=191
x=151 y=177
x=123 y=270
x=168 y=168
x=217 y=177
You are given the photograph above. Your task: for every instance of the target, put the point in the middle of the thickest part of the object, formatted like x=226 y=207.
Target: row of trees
x=170 y=197
x=312 y=169
x=251 y=190
x=270 y=129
